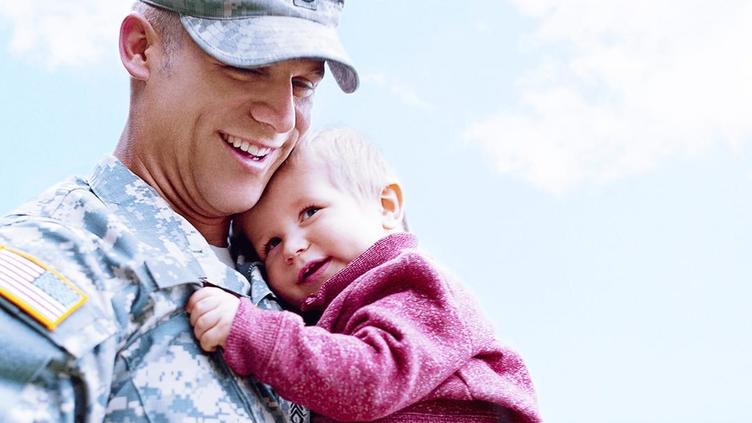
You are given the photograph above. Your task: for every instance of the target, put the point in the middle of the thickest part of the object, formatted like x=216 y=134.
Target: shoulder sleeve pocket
x=24 y=351
x=32 y=291
x=83 y=330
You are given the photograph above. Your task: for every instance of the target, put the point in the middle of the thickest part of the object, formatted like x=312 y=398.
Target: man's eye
x=242 y=74
x=270 y=245
x=303 y=88
x=309 y=212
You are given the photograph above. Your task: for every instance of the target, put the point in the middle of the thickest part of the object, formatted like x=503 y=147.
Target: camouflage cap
x=252 y=33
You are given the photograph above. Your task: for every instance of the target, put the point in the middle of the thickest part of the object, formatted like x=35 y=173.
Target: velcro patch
x=37 y=289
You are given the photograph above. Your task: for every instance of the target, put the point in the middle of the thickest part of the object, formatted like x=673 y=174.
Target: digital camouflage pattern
x=251 y=33
x=128 y=354
x=323 y=11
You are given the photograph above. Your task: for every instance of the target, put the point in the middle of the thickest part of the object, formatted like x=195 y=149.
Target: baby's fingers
x=204 y=322
x=201 y=299
x=195 y=298
x=197 y=314
x=212 y=338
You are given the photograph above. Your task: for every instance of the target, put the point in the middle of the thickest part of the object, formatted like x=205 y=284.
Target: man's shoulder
x=77 y=200
x=57 y=225
x=47 y=281
x=48 y=203
x=82 y=216
x=54 y=219
x=55 y=271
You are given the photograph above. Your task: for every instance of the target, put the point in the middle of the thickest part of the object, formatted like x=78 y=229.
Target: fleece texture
x=397 y=341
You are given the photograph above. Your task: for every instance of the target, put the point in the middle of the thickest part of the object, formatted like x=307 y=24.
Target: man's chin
x=233 y=200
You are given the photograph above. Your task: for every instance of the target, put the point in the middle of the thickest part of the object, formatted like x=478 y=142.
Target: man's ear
x=136 y=37
x=392 y=206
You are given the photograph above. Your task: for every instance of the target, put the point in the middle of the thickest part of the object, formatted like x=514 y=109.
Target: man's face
x=219 y=132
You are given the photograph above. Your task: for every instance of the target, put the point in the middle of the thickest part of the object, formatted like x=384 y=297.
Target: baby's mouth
x=311 y=269
x=256 y=152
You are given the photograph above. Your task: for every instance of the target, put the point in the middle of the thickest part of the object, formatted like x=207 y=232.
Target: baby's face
x=305 y=230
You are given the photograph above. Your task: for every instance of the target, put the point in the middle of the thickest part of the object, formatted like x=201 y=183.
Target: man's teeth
x=247 y=147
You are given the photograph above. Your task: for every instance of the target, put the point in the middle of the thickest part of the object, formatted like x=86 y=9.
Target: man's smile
x=257 y=152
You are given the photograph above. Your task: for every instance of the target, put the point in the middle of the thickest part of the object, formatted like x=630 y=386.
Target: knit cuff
x=252 y=339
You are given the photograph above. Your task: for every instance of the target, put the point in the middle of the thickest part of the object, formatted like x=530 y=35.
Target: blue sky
x=583 y=165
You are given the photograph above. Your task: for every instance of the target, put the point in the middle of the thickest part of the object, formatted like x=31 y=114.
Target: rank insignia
x=37 y=289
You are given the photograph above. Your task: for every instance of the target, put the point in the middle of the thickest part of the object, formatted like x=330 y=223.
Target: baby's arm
x=393 y=347
x=212 y=311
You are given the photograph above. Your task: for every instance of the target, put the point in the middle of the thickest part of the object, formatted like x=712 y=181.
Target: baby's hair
x=354 y=164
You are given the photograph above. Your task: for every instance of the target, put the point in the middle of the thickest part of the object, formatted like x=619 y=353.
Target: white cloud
x=623 y=84
x=63 y=33
x=403 y=92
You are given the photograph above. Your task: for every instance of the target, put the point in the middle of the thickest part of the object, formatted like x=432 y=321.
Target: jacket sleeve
x=50 y=374
x=400 y=335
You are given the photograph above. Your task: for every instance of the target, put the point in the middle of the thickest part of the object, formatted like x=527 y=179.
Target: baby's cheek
x=277 y=280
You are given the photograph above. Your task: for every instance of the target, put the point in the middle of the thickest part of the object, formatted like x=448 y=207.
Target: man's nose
x=276 y=106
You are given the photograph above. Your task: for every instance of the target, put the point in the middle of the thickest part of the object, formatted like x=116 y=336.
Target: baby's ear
x=392 y=207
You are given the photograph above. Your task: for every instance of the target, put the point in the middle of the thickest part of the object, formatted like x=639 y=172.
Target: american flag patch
x=37 y=289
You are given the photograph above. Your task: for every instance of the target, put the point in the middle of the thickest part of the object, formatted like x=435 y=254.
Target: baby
x=395 y=337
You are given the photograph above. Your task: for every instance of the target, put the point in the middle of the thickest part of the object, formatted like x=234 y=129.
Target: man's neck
x=214 y=229
x=215 y=234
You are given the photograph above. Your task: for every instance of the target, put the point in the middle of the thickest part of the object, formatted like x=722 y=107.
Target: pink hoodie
x=397 y=340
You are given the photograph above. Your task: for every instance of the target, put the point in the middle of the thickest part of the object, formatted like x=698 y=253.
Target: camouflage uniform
x=128 y=353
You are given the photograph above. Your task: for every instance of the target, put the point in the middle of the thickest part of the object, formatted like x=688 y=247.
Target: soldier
x=95 y=273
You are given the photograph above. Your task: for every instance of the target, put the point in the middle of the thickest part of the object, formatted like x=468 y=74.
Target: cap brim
x=262 y=40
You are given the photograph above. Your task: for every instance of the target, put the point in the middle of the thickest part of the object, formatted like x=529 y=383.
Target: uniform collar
x=177 y=243
x=141 y=206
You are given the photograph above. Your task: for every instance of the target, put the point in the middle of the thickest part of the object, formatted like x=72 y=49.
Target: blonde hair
x=354 y=165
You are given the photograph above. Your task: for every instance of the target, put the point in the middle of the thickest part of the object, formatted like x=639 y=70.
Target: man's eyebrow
x=318 y=69
x=237 y=69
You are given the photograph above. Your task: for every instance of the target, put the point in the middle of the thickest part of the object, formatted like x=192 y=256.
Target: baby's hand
x=212 y=311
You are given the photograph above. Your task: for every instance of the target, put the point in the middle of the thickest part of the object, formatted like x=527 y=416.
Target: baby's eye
x=273 y=242
x=309 y=212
